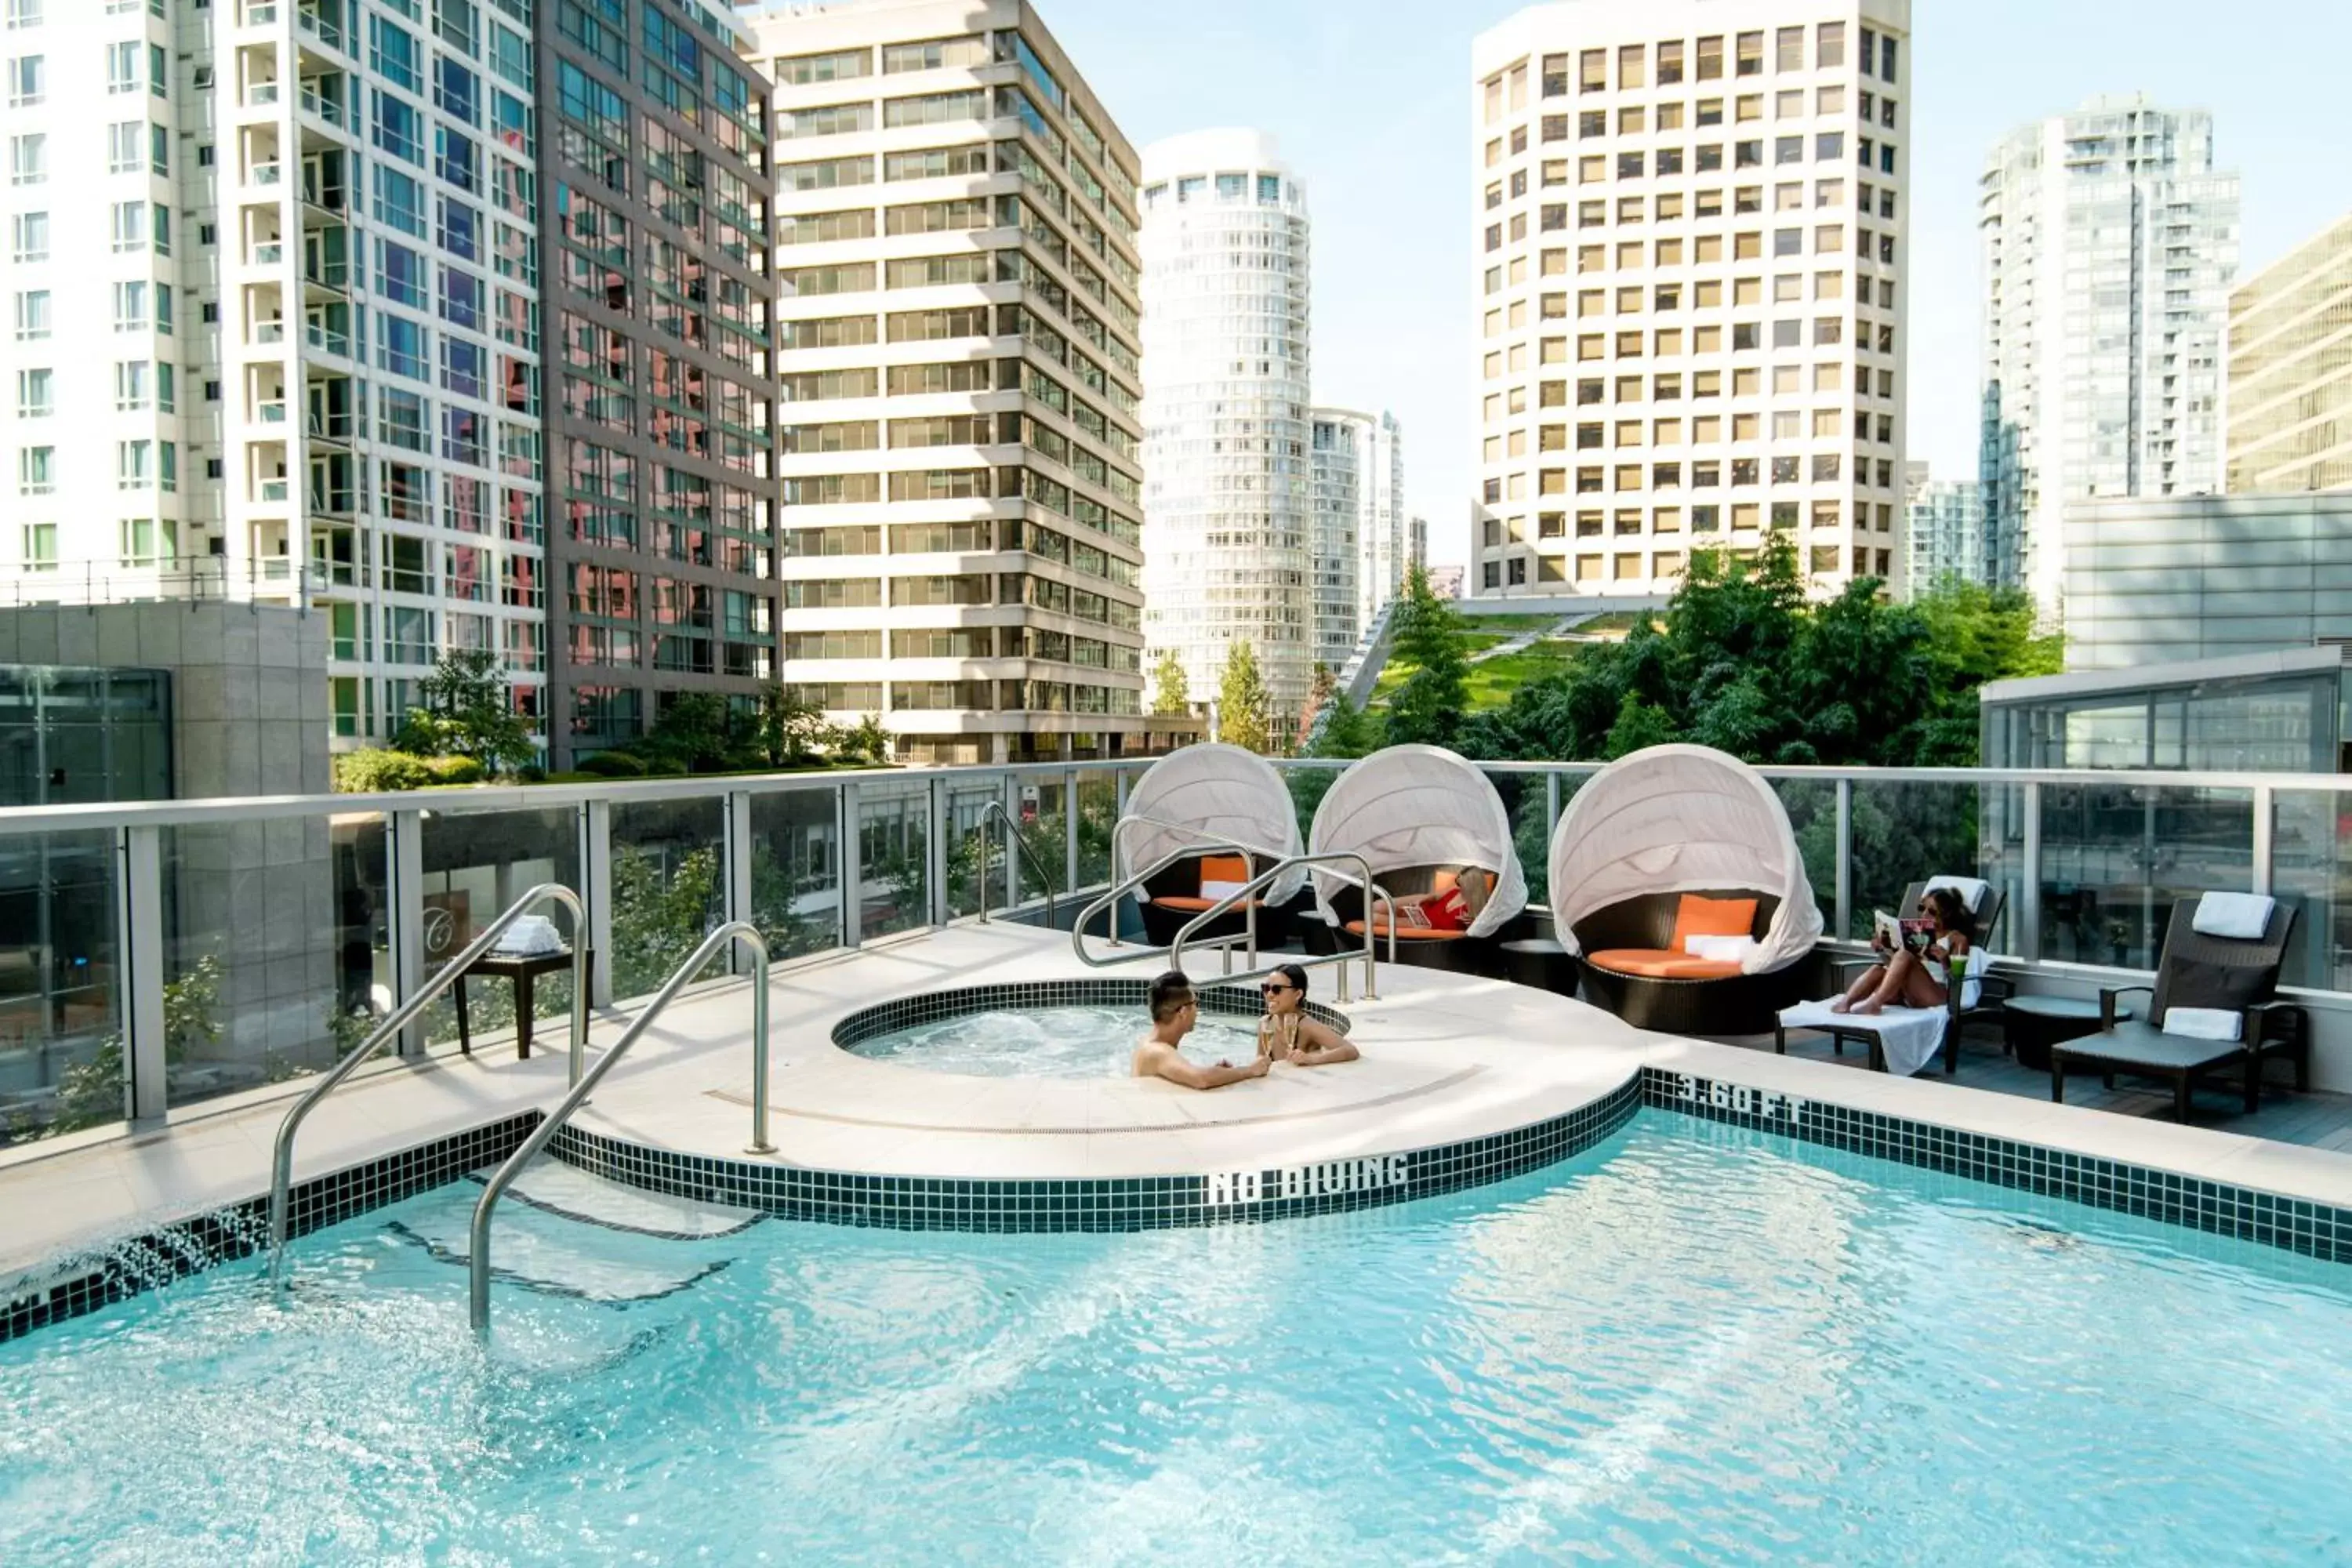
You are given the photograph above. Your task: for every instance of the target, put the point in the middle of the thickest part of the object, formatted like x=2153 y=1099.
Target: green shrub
x=370 y=771
x=454 y=770
x=614 y=765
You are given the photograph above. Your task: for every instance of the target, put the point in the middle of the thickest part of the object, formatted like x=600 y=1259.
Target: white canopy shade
x=1215 y=793
x=1420 y=805
x=1679 y=819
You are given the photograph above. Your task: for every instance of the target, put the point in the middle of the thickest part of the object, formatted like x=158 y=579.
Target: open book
x=1892 y=934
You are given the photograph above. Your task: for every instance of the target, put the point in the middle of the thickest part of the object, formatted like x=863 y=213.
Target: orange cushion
x=1234 y=868
x=1405 y=933
x=1652 y=964
x=1696 y=916
x=1444 y=879
x=1188 y=904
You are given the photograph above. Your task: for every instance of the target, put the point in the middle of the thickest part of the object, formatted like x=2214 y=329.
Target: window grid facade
x=2290 y=402
x=1341 y=451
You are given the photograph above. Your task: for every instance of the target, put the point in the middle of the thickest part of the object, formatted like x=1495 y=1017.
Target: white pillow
x=1972 y=889
x=2240 y=915
x=1723 y=949
x=1213 y=890
x=2204 y=1022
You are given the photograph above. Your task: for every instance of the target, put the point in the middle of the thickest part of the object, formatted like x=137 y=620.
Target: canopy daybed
x=1210 y=794
x=1438 y=840
x=1676 y=875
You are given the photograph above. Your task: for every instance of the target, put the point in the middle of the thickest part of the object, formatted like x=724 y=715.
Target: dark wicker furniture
x=1992 y=995
x=1455 y=950
x=1174 y=897
x=1730 y=1004
x=2193 y=970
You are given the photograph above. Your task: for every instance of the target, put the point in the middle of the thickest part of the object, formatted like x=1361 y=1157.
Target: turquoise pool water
x=1074 y=1041
x=1694 y=1343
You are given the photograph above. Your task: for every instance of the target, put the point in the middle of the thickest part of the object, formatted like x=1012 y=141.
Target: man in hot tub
x=1286 y=1034
x=1175 y=1011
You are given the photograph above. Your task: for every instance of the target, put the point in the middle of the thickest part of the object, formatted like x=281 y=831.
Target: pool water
x=1694 y=1343
x=1050 y=1042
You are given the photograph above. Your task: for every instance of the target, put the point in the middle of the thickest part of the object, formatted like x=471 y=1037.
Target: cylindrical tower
x=1227 y=502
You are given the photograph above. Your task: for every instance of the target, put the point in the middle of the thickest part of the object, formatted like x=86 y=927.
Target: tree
x=1427 y=708
x=1170 y=695
x=693 y=733
x=468 y=712
x=1244 y=709
x=865 y=743
x=788 y=729
x=1319 y=691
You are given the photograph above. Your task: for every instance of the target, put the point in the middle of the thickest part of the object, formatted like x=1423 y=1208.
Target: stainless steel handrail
x=1241 y=895
x=997 y=808
x=282 y=1181
x=1078 y=927
x=1210 y=845
x=478 y=1261
x=1144 y=819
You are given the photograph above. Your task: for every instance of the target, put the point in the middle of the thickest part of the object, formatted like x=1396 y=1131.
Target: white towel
x=1972 y=889
x=530 y=936
x=2204 y=1022
x=1909 y=1037
x=2244 y=916
x=1723 y=949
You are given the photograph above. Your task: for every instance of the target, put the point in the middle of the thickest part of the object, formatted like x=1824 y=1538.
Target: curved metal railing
x=1013 y=828
x=1241 y=896
x=1118 y=890
x=281 y=1180
x=478 y=1258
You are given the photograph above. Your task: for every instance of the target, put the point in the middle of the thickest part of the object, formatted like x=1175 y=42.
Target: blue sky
x=1371 y=103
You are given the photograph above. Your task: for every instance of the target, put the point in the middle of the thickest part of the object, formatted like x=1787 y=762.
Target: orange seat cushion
x=1653 y=964
x=1187 y=904
x=1696 y=916
x=1407 y=934
x=1232 y=868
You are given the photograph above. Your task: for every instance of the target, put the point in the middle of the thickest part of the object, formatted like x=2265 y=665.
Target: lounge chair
x=1215 y=798
x=1193 y=886
x=1992 y=991
x=2211 y=974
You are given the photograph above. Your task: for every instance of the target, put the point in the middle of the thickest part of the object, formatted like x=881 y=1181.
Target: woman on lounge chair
x=1906 y=979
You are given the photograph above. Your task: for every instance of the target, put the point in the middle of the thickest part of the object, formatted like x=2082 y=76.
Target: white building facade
x=1943 y=533
x=1689 y=290
x=960 y=382
x=274 y=277
x=1228 y=498
x=1341 y=445
x=1386 y=539
x=2109 y=243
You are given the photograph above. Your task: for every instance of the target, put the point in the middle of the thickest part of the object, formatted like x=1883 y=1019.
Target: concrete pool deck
x=1447 y=1058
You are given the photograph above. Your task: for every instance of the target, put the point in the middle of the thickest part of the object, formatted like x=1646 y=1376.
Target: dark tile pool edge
x=129 y=1265
x=2297 y=1224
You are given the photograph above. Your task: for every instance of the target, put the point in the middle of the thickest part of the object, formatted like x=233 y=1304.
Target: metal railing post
x=139 y=916
x=935 y=854
x=737 y=844
x=1011 y=796
x=2028 y=945
x=1551 y=806
x=853 y=872
x=596 y=887
x=1845 y=859
x=1069 y=830
x=405 y=869
x=2263 y=826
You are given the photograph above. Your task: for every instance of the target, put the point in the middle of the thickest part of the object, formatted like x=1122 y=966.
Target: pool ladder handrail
x=997 y=808
x=478 y=1258
x=1241 y=896
x=1110 y=898
x=281 y=1180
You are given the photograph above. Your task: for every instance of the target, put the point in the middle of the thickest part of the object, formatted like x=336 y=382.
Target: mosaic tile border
x=119 y=1269
x=2297 y=1224
x=931 y=1007
x=1104 y=1204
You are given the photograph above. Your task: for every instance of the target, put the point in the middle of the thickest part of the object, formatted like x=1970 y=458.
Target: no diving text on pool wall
x=1226 y=1188
x=1738 y=1098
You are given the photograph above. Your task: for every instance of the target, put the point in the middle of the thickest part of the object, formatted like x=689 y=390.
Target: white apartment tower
x=1228 y=508
x=960 y=382
x=1689 y=290
x=1339 y=446
x=273 y=277
x=2109 y=245
x=1387 y=541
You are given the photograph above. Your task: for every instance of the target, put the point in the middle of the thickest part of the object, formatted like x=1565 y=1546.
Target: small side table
x=520 y=968
x=2029 y=1025
x=1541 y=962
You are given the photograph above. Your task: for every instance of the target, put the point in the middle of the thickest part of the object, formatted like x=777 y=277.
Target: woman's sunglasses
x=1272 y=989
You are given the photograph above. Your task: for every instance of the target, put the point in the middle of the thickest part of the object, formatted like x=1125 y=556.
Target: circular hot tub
x=1057 y=1028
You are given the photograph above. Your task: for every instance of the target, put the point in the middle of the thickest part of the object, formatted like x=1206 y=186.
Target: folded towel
x=2204 y=1022
x=2241 y=915
x=1908 y=1037
x=1972 y=889
x=530 y=936
x=1723 y=949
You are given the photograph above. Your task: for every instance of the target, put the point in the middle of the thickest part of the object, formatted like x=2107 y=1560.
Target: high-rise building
x=1417 y=545
x=1942 y=531
x=655 y=195
x=960 y=382
x=1228 y=499
x=1382 y=532
x=1689 y=290
x=2290 y=381
x=1339 y=446
x=2109 y=242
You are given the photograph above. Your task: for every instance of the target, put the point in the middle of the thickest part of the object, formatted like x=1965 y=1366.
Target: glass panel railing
x=475 y=863
x=1044 y=814
x=975 y=868
x=669 y=889
x=1524 y=800
x=61 y=1065
x=1811 y=805
x=2311 y=868
x=275 y=949
x=893 y=856
x=1097 y=812
x=796 y=870
x=1906 y=833
x=2114 y=857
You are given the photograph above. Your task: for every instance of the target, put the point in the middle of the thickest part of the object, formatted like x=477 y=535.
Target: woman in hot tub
x=1286 y=1034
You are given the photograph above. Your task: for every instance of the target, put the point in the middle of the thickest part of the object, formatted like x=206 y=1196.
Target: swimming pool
x=1074 y=1041
x=1692 y=1342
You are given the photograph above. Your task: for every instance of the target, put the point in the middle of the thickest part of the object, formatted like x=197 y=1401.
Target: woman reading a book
x=1915 y=973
